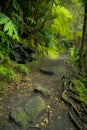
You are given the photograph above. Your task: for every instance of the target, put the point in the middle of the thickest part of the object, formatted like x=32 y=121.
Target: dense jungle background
x=32 y=31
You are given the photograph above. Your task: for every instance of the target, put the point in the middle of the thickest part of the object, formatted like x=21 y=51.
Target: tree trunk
x=83 y=48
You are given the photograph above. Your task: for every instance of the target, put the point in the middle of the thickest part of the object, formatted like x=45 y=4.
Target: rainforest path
x=48 y=74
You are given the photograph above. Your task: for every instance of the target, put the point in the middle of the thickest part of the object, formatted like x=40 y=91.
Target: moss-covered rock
x=29 y=112
x=34 y=107
x=20 y=116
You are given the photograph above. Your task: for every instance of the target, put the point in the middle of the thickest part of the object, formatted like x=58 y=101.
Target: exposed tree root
x=84 y=107
x=68 y=100
x=78 y=111
x=75 y=121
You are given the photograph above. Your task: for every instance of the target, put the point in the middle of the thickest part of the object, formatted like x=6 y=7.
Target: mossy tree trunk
x=83 y=48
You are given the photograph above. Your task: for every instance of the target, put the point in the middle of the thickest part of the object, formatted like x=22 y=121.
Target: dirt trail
x=56 y=115
x=51 y=77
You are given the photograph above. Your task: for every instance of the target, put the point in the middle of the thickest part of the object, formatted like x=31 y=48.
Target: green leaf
x=16 y=5
x=9 y=27
x=62 y=18
x=3 y=20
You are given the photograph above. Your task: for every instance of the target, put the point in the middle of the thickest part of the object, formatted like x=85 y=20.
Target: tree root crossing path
x=43 y=96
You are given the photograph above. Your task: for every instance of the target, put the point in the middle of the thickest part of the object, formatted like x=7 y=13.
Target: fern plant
x=23 y=68
x=3 y=70
x=16 y=5
x=8 y=74
x=9 y=27
x=5 y=43
x=74 y=54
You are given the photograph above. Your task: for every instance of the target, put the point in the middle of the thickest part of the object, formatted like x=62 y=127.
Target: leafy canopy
x=62 y=18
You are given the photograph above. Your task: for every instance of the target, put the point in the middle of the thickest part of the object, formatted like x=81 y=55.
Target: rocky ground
x=45 y=81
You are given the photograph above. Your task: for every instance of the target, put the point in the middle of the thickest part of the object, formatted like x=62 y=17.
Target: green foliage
x=9 y=28
x=83 y=79
x=41 y=49
x=62 y=19
x=16 y=5
x=1 y=57
x=77 y=21
x=52 y=52
x=47 y=43
x=5 y=43
x=12 y=75
x=10 y=71
x=48 y=37
x=56 y=1
x=7 y=68
x=64 y=44
x=31 y=20
x=74 y=54
x=82 y=91
x=16 y=20
x=3 y=70
x=2 y=37
x=23 y=68
x=8 y=74
x=9 y=32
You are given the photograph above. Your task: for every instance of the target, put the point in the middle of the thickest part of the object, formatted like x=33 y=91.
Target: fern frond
x=16 y=5
x=16 y=16
x=23 y=68
x=9 y=27
x=3 y=19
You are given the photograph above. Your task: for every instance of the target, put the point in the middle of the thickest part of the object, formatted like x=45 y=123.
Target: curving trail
x=49 y=75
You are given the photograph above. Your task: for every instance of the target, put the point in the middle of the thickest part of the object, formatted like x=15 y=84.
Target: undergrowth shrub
x=64 y=44
x=23 y=68
x=8 y=74
x=81 y=90
x=82 y=94
x=10 y=70
x=83 y=79
x=48 y=37
x=53 y=52
x=74 y=54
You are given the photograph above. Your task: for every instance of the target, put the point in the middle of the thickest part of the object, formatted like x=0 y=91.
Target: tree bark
x=83 y=48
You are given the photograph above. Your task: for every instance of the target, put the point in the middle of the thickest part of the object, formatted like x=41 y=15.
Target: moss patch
x=82 y=91
x=29 y=112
